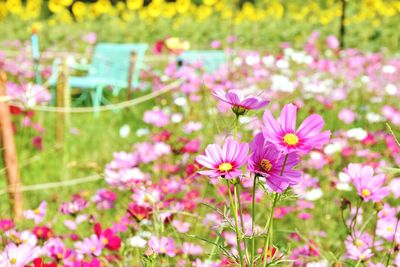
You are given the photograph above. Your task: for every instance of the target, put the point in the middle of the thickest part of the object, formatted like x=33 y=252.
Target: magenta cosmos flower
x=368 y=186
x=266 y=161
x=240 y=104
x=283 y=134
x=224 y=162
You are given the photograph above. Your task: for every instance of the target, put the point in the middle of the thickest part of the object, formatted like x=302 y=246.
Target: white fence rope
x=37 y=187
x=120 y=105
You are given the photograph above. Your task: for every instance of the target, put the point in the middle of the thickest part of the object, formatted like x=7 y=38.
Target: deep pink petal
x=271 y=125
x=287 y=119
x=310 y=126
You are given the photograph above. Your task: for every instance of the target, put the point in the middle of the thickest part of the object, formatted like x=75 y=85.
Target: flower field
x=278 y=146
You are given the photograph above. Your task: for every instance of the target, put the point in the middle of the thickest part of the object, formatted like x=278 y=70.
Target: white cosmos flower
x=357 y=133
x=137 y=241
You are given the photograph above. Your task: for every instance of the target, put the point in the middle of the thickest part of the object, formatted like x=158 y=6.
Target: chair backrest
x=36 y=57
x=210 y=59
x=112 y=61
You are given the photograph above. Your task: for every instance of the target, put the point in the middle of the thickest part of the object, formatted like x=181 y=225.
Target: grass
x=83 y=154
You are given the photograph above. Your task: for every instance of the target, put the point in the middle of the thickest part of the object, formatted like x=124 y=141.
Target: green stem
x=236 y=127
x=271 y=217
x=253 y=239
x=234 y=213
x=239 y=207
x=376 y=225
x=344 y=222
x=354 y=220
x=269 y=228
x=215 y=247
x=391 y=245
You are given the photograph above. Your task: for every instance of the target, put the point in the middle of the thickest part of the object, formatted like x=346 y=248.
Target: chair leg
x=96 y=98
x=116 y=91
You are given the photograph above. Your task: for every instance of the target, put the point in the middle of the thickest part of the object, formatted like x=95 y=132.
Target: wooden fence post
x=9 y=153
x=62 y=84
x=342 y=32
x=132 y=63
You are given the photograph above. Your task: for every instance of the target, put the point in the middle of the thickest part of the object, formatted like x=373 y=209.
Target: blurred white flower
x=137 y=241
x=389 y=69
x=344 y=182
x=180 y=101
x=124 y=131
x=374 y=117
x=282 y=83
x=332 y=148
x=142 y=132
x=357 y=133
x=391 y=89
x=282 y=64
x=176 y=118
x=313 y=194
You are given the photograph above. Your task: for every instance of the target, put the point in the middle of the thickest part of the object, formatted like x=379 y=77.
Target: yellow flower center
x=266 y=165
x=362 y=257
x=291 y=139
x=225 y=167
x=147 y=199
x=59 y=255
x=365 y=193
x=105 y=241
x=13 y=260
x=36 y=211
x=390 y=229
x=359 y=243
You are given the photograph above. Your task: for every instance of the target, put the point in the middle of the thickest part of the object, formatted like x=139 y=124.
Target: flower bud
x=239 y=110
x=378 y=206
x=344 y=203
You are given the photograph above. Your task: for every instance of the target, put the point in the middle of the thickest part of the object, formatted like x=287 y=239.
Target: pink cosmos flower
x=24 y=237
x=104 y=199
x=56 y=249
x=108 y=238
x=90 y=246
x=90 y=38
x=163 y=245
x=156 y=117
x=267 y=162
x=18 y=256
x=224 y=162
x=386 y=227
x=368 y=186
x=240 y=104
x=332 y=42
x=191 y=249
x=6 y=224
x=395 y=187
x=286 y=138
x=347 y=115
x=358 y=247
x=215 y=44
x=181 y=227
x=38 y=214
x=76 y=205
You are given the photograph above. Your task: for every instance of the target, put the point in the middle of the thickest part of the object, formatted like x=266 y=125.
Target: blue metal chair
x=36 y=57
x=211 y=59
x=109 y=67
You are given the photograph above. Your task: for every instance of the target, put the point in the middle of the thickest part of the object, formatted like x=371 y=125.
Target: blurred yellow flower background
x=322 y=12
